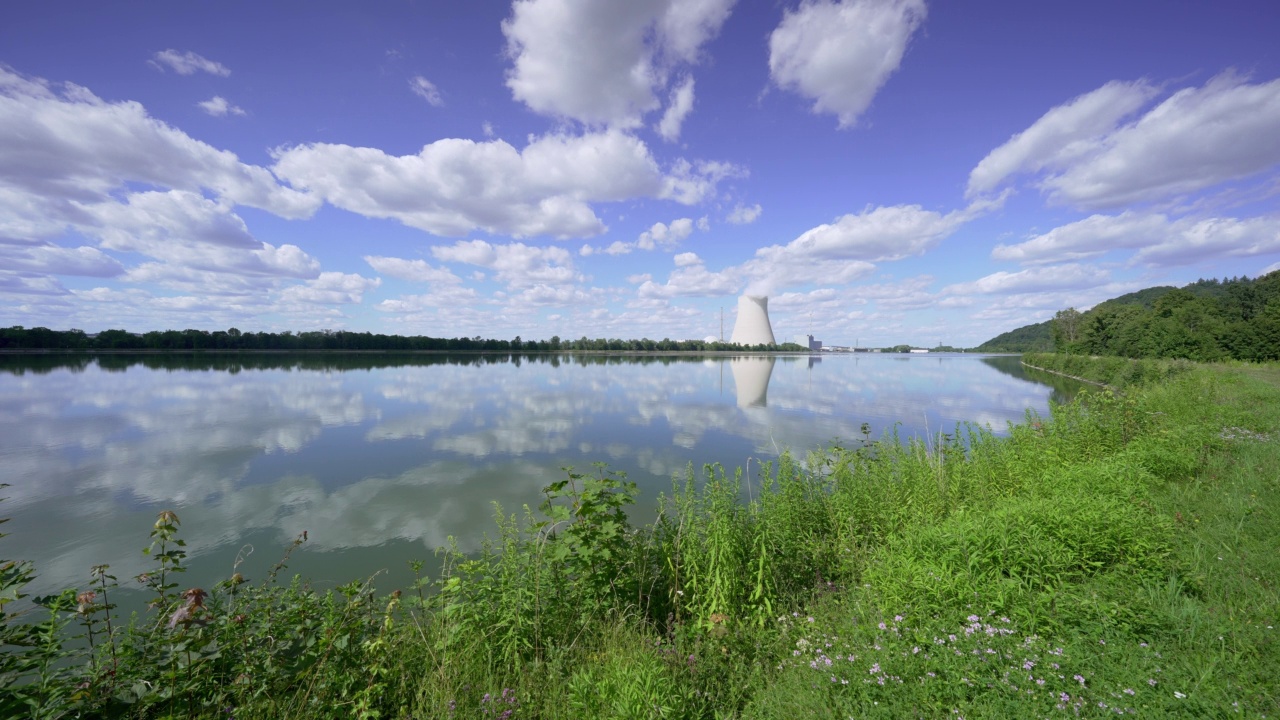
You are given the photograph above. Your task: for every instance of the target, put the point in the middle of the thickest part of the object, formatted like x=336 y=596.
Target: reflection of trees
x=233 y=362
x=1064 y=388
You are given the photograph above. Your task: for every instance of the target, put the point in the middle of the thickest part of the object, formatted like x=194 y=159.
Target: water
x=382 y=458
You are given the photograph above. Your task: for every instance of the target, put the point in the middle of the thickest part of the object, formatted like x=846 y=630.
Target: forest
x=1208 y=320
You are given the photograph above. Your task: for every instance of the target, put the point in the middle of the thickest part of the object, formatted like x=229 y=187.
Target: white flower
x=1178 y=695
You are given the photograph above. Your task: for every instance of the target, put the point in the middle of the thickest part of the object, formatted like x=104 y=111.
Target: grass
x=1117 y=557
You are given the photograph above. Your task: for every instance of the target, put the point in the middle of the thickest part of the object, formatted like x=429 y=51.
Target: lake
x=381 y=458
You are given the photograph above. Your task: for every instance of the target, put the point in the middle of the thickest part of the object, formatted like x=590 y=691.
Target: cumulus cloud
x=186 y=229
x=218 y=106
x=1062 y=133
x=1072 y=276
x=839 y=54
x=187 y=63
x=50 y=259
x=426 y=90
x=1194 y=139
x=455 y=186
x=845 y=250
x=687 y=258
x=678 y=109
x=665 y=236
x=1157 y=239
x=692 y=280
x=604 y=63
x=414 y=270
x=330 y=288
x=516 y=264
x=744 y=215
x=66 y=149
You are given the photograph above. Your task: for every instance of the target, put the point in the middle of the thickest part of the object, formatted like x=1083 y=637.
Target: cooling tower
x=753 y=326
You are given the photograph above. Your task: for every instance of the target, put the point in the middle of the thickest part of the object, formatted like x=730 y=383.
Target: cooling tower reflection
x=751 y=380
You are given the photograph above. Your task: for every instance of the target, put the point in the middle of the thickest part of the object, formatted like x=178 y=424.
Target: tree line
x=37 y=338
x=1208 y=320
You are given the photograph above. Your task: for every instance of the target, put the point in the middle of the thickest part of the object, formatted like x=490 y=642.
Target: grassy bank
x=1118 y=557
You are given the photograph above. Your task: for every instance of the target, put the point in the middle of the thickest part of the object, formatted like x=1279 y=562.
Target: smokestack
x=752 y=327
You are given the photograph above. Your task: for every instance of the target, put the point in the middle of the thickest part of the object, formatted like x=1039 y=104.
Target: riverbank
x=1119 y=555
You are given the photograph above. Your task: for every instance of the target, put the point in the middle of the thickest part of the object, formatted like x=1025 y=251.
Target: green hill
x=1028 y=338
x=1206 y=320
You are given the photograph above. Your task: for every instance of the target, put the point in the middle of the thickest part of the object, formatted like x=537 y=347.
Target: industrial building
x=807 y=341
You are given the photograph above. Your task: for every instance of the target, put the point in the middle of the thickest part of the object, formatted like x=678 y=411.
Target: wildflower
x=810 y=618
x=85 y=602
x=1028 y=665
x=1178 y=695
x=874 y=669
x=882 y=626
x=1128 y=691
x=1151 y=682
x=915 y=650
x=1080 y=679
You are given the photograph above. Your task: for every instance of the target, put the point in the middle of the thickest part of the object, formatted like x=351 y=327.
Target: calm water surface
x=382 y=458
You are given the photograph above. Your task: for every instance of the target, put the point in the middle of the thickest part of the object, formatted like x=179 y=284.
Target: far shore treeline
x=41 y=338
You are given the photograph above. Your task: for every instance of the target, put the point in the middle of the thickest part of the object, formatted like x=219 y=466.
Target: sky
x=885 y=171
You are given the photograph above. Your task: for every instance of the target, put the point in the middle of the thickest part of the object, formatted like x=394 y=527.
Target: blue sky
x=886 y=171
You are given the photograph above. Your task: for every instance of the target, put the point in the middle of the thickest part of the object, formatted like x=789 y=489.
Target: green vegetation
x=42 y=338
x=1028 y=338
x=1208 y=320
x=1119 y=556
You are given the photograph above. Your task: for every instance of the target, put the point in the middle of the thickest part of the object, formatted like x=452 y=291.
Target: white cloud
x=64 y=150
x=1061 y=133
x=454 y=186
x=1269 y=269
x=665 y=236
x=691 y=183
x=330 y=288
x=427 y=90
x=603 y=63
x=187 y=63
x=1157 y=239
x=879 y=234
x=844 y=250
x=678 y=108
x=414 y=270
x=188 y=230
x=687 y=258
x=744 y=215
x=49 y=259
x=218 y=106
x=1033 y=280
x=516 y=264
x=25 y=284
x=559 y=295
x=1196 y=138
x=839 y=54
x=692 y=280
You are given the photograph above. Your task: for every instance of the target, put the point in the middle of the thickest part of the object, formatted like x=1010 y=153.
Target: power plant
x=752 y=327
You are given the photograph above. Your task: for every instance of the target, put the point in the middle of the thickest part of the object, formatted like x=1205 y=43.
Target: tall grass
x=1067 y=567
